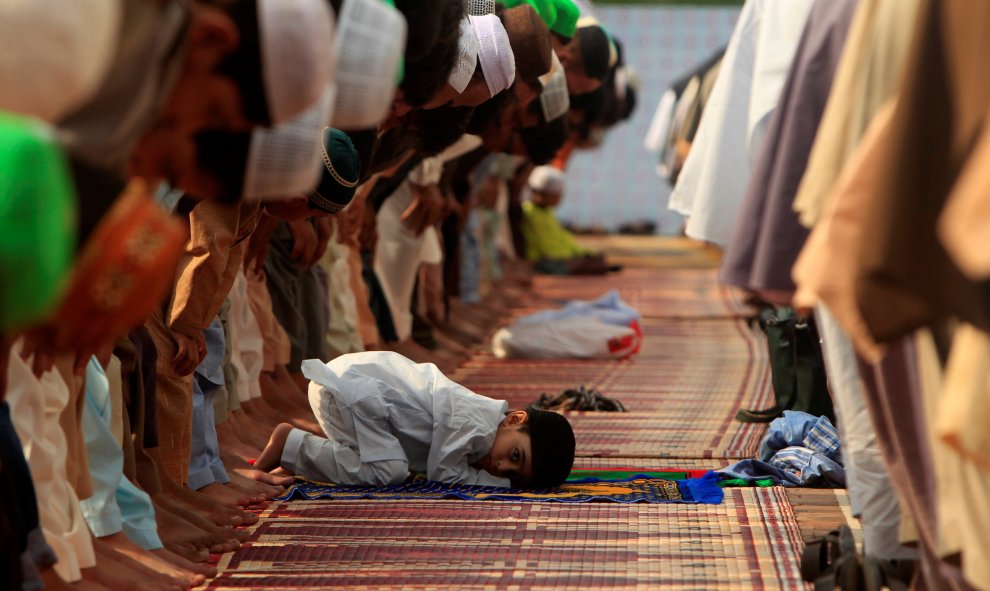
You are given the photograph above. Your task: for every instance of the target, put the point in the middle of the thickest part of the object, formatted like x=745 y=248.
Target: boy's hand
x=191 y=352
x=305 y=243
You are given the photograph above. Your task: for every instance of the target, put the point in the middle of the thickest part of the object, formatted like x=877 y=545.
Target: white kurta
x=379 y=406
x=35 y=407
x=711 y=187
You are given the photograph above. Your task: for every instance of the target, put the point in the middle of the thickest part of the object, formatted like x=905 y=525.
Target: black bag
x=580 y=398
x=796 y=365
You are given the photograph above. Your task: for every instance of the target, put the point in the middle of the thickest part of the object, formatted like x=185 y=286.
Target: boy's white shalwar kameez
x=386 y=416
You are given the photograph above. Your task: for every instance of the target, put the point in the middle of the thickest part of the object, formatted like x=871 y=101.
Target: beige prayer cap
x=371 y=37
x=296 y=54
x=54 y=53
x=284 y=161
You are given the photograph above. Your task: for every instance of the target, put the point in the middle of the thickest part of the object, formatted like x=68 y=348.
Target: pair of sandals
x=578 y=399
x=832 y=562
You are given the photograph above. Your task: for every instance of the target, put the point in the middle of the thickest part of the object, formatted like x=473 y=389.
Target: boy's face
x=510 y=456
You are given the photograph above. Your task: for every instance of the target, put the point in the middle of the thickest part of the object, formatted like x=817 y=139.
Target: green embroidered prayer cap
x=568 y=14
x=37 y=221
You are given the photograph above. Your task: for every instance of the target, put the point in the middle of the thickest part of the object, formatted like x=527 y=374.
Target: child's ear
x=516 y=417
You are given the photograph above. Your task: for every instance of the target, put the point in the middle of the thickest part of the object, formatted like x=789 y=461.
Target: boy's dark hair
x=425 y=76
x=422 y=27
x=552 y=448
x=489 y=111
x=224 y=154
x=543 y=141
x=243 y=65
x=437 y=129
x=594 y=46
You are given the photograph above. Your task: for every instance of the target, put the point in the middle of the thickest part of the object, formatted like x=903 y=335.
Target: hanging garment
x=871 y=67
x=906 y=279
x=767 y=236
x=750 y=79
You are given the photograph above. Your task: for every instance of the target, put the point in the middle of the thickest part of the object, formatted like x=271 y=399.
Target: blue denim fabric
x=205 y=466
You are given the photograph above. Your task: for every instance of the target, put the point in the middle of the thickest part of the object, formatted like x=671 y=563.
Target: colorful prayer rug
x=751 y=541
x=618 y=474
x=630 y=490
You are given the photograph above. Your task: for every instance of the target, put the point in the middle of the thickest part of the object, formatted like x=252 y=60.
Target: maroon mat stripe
x=746 y=543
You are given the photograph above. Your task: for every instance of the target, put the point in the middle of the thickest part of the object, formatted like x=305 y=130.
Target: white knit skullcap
x=467 y=58
x=547 y=179
x=479 y=7
x=284 y=161
x=554 y=99
x=297 y=56
x=494 y=52
x=371 y=38
x=54 y=54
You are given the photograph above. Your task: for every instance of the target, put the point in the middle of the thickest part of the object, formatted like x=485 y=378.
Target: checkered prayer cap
x=554 y=99
x=494 y=52
x=283 y=161
x=371 y=37
x=467 y=58
x=296 y=54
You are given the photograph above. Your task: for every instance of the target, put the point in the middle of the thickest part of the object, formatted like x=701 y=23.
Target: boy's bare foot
x=119 y=573
x=221 y=515
x=189 y=534
x=83 y=585
x=155 y=562
x=265 y=477
x=54 y=582
x=207 y=571
x=267 y=492
x=230 y=496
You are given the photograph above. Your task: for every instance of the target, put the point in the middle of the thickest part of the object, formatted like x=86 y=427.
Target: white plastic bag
x=576 y=337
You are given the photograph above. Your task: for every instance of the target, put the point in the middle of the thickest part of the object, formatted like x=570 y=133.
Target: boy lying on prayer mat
x=386 y=415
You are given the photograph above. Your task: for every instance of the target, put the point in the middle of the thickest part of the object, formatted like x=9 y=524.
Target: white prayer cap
x=547 y=179
x=371 y=38
x=54 y=54
x=480 y=7
x=297 y=54
x=494 y=52
x=554 y=99
x=467 y=58
x=284 y=161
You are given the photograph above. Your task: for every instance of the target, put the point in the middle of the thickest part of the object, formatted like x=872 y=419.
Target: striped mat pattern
x=749 y=542
x=699 y=364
